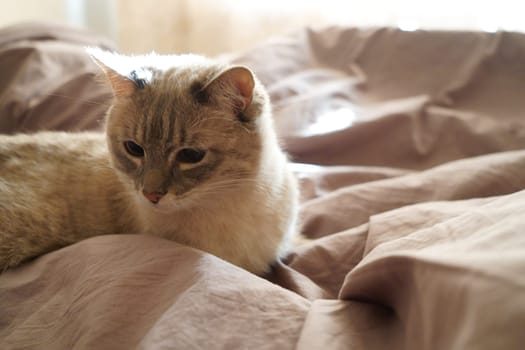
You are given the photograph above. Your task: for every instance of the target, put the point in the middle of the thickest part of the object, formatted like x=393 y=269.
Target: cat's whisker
x=224 y=186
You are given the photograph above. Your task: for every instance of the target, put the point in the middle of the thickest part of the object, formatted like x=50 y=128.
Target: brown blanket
x=411 y=154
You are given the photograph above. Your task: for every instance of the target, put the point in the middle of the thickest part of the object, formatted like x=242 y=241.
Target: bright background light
x=330 y=121
x=216 y=26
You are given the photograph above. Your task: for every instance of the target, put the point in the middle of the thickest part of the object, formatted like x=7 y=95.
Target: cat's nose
x=153 y=197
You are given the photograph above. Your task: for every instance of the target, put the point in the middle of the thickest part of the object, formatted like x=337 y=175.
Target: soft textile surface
x=47 y=80
x=411 y=154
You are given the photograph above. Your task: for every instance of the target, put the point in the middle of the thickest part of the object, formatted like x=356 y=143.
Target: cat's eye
x=190 y=155
x=133 y=149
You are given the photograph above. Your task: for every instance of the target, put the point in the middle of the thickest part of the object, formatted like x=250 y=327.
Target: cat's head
x=182 y=127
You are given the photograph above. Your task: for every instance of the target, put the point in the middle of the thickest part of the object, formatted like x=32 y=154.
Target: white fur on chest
x=247 y=230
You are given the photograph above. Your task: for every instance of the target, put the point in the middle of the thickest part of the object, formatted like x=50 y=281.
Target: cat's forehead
x=181 y=77
x=155 y=69
x=166 y=106
x=167 y=66
x=125 y=64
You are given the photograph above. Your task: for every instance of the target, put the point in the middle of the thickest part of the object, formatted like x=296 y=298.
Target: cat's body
x=189 y=154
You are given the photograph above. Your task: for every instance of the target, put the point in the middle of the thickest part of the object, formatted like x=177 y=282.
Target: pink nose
x=153 y=197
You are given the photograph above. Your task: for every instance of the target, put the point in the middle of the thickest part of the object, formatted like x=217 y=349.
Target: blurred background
x=216 y=26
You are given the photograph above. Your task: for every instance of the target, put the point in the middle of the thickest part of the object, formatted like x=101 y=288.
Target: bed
x=410 y=150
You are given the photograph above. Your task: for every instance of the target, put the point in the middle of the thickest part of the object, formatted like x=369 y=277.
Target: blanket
x=410 y=151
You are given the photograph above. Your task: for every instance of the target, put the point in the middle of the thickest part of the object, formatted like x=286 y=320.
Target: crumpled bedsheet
x=410 y=150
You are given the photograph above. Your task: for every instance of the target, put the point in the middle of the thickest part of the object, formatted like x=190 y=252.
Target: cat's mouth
x=165 y=203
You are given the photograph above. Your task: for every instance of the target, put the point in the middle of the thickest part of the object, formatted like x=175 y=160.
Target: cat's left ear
x=235 y=84
x=122 y=85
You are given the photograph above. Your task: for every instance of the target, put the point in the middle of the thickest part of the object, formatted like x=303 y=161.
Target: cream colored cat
x=189 y=154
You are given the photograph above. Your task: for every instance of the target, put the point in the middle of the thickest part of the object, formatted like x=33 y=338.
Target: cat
x=189 y=153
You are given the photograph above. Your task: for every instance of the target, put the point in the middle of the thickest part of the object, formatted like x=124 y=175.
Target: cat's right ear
x=121 y=85
x=235 y=86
